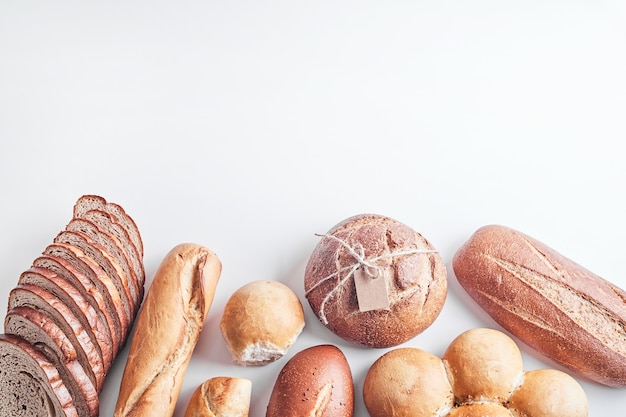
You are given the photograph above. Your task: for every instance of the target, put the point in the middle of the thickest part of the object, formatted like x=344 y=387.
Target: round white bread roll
x=221 y=396
x=480 y=375
x=549 y=393
x=407 y=370
x=261 y=321
x=484 y=364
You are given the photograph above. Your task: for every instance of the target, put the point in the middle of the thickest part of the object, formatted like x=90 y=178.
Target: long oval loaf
x=551 y=303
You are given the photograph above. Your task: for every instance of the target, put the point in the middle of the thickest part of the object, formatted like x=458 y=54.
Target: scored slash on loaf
x=70 y=314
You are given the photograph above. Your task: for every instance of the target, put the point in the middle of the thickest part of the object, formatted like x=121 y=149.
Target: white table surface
x=249 y=126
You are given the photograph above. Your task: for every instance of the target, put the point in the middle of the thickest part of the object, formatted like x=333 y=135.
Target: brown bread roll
x=398 y=262
x=260 y=322
x=221 y=396
x=167 y=329
x=548 y=301
x=315 y=382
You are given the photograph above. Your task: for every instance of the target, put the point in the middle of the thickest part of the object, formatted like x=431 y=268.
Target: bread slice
x=107 y=262
x=30 y=384
x=88 y=317
x=105 y=223
x=94 y=202
x=113 y=248
x=92 y=294
x=97 y=283
x=35 y=297
x=40 y=331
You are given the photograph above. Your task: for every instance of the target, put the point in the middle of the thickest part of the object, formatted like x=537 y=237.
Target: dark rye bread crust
x=94 y=202
x=112 y=247
x=106 y=224
x=74 y=300
x=99 y=282
x=43 y=333
x=416 y=282
x=88 y=291
x=72 y=312
x=107 y=262
x=42 y=300
x=31 y=384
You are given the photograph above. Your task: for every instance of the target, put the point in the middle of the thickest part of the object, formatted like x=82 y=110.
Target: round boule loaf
x=260 y=322
x=398 y=264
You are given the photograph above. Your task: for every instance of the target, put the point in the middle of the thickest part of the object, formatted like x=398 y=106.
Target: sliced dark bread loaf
x=94 y=202
x=92 y=294
x=42 y=300
x=69 y=295
x=38 y=329
x=101 y=282
x=106 y=261
x=30 y=385
x=112 y=247
x=105 y=223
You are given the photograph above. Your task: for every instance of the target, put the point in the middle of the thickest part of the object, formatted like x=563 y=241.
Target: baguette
x=167 y=329
x=551 y=303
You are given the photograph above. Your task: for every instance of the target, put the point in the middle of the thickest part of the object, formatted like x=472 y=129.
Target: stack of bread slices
x=70 y=313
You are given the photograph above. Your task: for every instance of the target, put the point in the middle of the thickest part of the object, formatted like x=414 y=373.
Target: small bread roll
x=484 y=364
x=482 y=410
x=549 y=393
x=407 y=382
x=221 y=396
x=261 y=321
x=315 y=382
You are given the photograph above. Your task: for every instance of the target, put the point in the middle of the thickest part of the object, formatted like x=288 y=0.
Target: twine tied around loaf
x=371 y=269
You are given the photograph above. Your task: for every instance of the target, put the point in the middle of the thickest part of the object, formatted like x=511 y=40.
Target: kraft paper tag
x=371 y=292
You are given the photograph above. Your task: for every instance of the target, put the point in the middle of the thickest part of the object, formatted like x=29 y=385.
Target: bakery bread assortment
x=261 y=321
x=173 y=314
x=371 y=250
x=66 y=320
x=548 y=301
x=371 y=280
x=221 y=396
x=480 y=374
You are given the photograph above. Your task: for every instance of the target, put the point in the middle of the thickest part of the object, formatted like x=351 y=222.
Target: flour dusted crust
x=551 y=303
x=416 y=281
x=480 y=374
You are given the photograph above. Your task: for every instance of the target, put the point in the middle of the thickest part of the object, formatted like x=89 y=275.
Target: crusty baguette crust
x=221 y=396
x=548 y=301
x=167 y=329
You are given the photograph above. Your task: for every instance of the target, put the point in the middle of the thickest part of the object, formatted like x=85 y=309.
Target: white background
x=249 y=126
